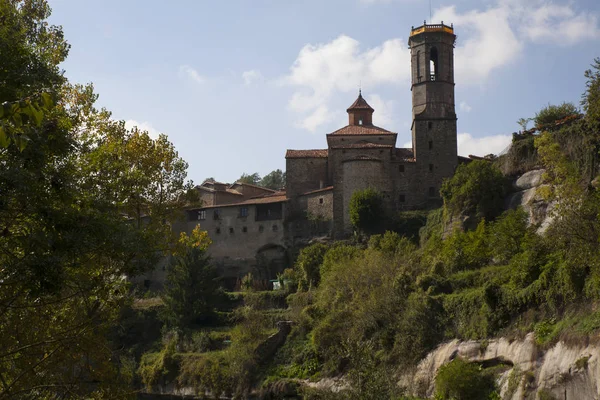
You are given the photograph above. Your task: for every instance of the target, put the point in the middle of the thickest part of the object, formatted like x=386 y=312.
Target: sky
x=234 y=83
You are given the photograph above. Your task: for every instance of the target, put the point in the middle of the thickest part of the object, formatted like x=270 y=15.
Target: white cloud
x=558 y=24
x=252 y=76
x=489 y=41
x=482 y=146
x=494 y=144
x=320 y=71
x=465 y=107
x=142 y=126
x=318 y=117
x=384 y=110
x=192 y=74
x=493 y=38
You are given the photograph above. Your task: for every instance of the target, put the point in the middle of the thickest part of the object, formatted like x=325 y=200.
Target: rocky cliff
x=564 y=371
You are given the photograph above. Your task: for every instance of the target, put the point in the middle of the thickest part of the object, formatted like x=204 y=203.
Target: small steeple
x=360 y=112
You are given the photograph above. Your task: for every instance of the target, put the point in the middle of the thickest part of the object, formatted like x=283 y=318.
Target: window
x=418 y=66
x=230 y=230
x=429 y=125
x=431 y=145
x=217 y=214
x=146 y=283
x=320 y=200
x=402 y=198
x=202 y=215
x=243 y=211
x=261 y=228
x=401 y=168
x=245 y=229
x=218 y=231
x=433 y=64
x=360 y=121
x=431 y=192
x=430 y=167
x=275 y=228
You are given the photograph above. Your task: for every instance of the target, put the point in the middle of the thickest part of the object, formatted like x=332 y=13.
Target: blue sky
x=236 y=83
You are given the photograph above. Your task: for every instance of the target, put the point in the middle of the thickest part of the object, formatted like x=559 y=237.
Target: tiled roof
x=260 y=200
x=254 y=186
x=405 y=155
x=325 y=189
x=363 y=146
x=320 y=153
x=362 y=130
x=360 y=104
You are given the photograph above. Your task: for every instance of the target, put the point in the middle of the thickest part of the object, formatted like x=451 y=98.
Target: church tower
x=434 y=115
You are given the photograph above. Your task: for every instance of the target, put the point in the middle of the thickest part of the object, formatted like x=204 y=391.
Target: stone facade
x=362 y=155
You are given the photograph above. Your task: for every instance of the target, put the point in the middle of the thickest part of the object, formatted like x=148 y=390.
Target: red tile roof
x=405 y=155
x=251 y=185
x=363 y=146
x=360 y=104
x=362 y=130
x=261 y=200
x=321 y=153
x=325 y=189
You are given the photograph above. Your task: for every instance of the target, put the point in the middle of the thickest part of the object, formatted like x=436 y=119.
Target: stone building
x=255 y=229
x=362 y=155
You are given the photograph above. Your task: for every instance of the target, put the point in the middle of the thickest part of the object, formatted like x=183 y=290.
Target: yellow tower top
x=432 y=28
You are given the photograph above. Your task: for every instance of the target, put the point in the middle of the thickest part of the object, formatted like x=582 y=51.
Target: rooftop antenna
x=430 y=13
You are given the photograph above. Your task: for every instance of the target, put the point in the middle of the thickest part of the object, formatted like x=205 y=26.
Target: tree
x=591 y=96
x=84 y=203
x=252 y=179
x=551 y=114
x=476 y=188
x=309 y=263
x=191 y=290
x=366 y=210
x=274 y=180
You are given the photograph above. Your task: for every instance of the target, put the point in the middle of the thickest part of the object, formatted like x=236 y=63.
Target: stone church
x=255 y=229
x=362 y=155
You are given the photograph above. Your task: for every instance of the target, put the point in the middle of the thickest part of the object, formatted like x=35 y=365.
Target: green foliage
x=461 y=380
x=591 y=97
x=309 y=263
x=476 y=188
x=506 y=234
x=408 y=223
x=273 y=180
x=192 y=292
x=160 y=368
x=551 y=114
x=366 y=210
x=252 y=179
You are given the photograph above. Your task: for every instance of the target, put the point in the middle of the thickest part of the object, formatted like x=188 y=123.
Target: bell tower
x=434 y=115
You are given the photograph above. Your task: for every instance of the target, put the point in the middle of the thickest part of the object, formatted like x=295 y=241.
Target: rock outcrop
x=565 y=372
x=527 y=195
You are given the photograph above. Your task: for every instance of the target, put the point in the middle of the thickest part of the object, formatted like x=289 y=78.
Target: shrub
x=551 y=114
x=366 y=210
x=461 y=380
x=309 y=263
x=476 y=188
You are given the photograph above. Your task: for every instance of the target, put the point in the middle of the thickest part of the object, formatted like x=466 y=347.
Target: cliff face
x=527 y=196
x=570 y=372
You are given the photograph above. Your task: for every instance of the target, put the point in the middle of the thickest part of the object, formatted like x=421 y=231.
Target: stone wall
x=238 y=239
x=319 y=205
x=304 y=175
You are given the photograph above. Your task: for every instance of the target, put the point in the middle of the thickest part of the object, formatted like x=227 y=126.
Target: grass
x=147 y=303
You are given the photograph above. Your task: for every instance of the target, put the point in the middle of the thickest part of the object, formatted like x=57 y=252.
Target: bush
x=308 y=265
x=476 y=188
x=366 y=210
x=461 y=380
